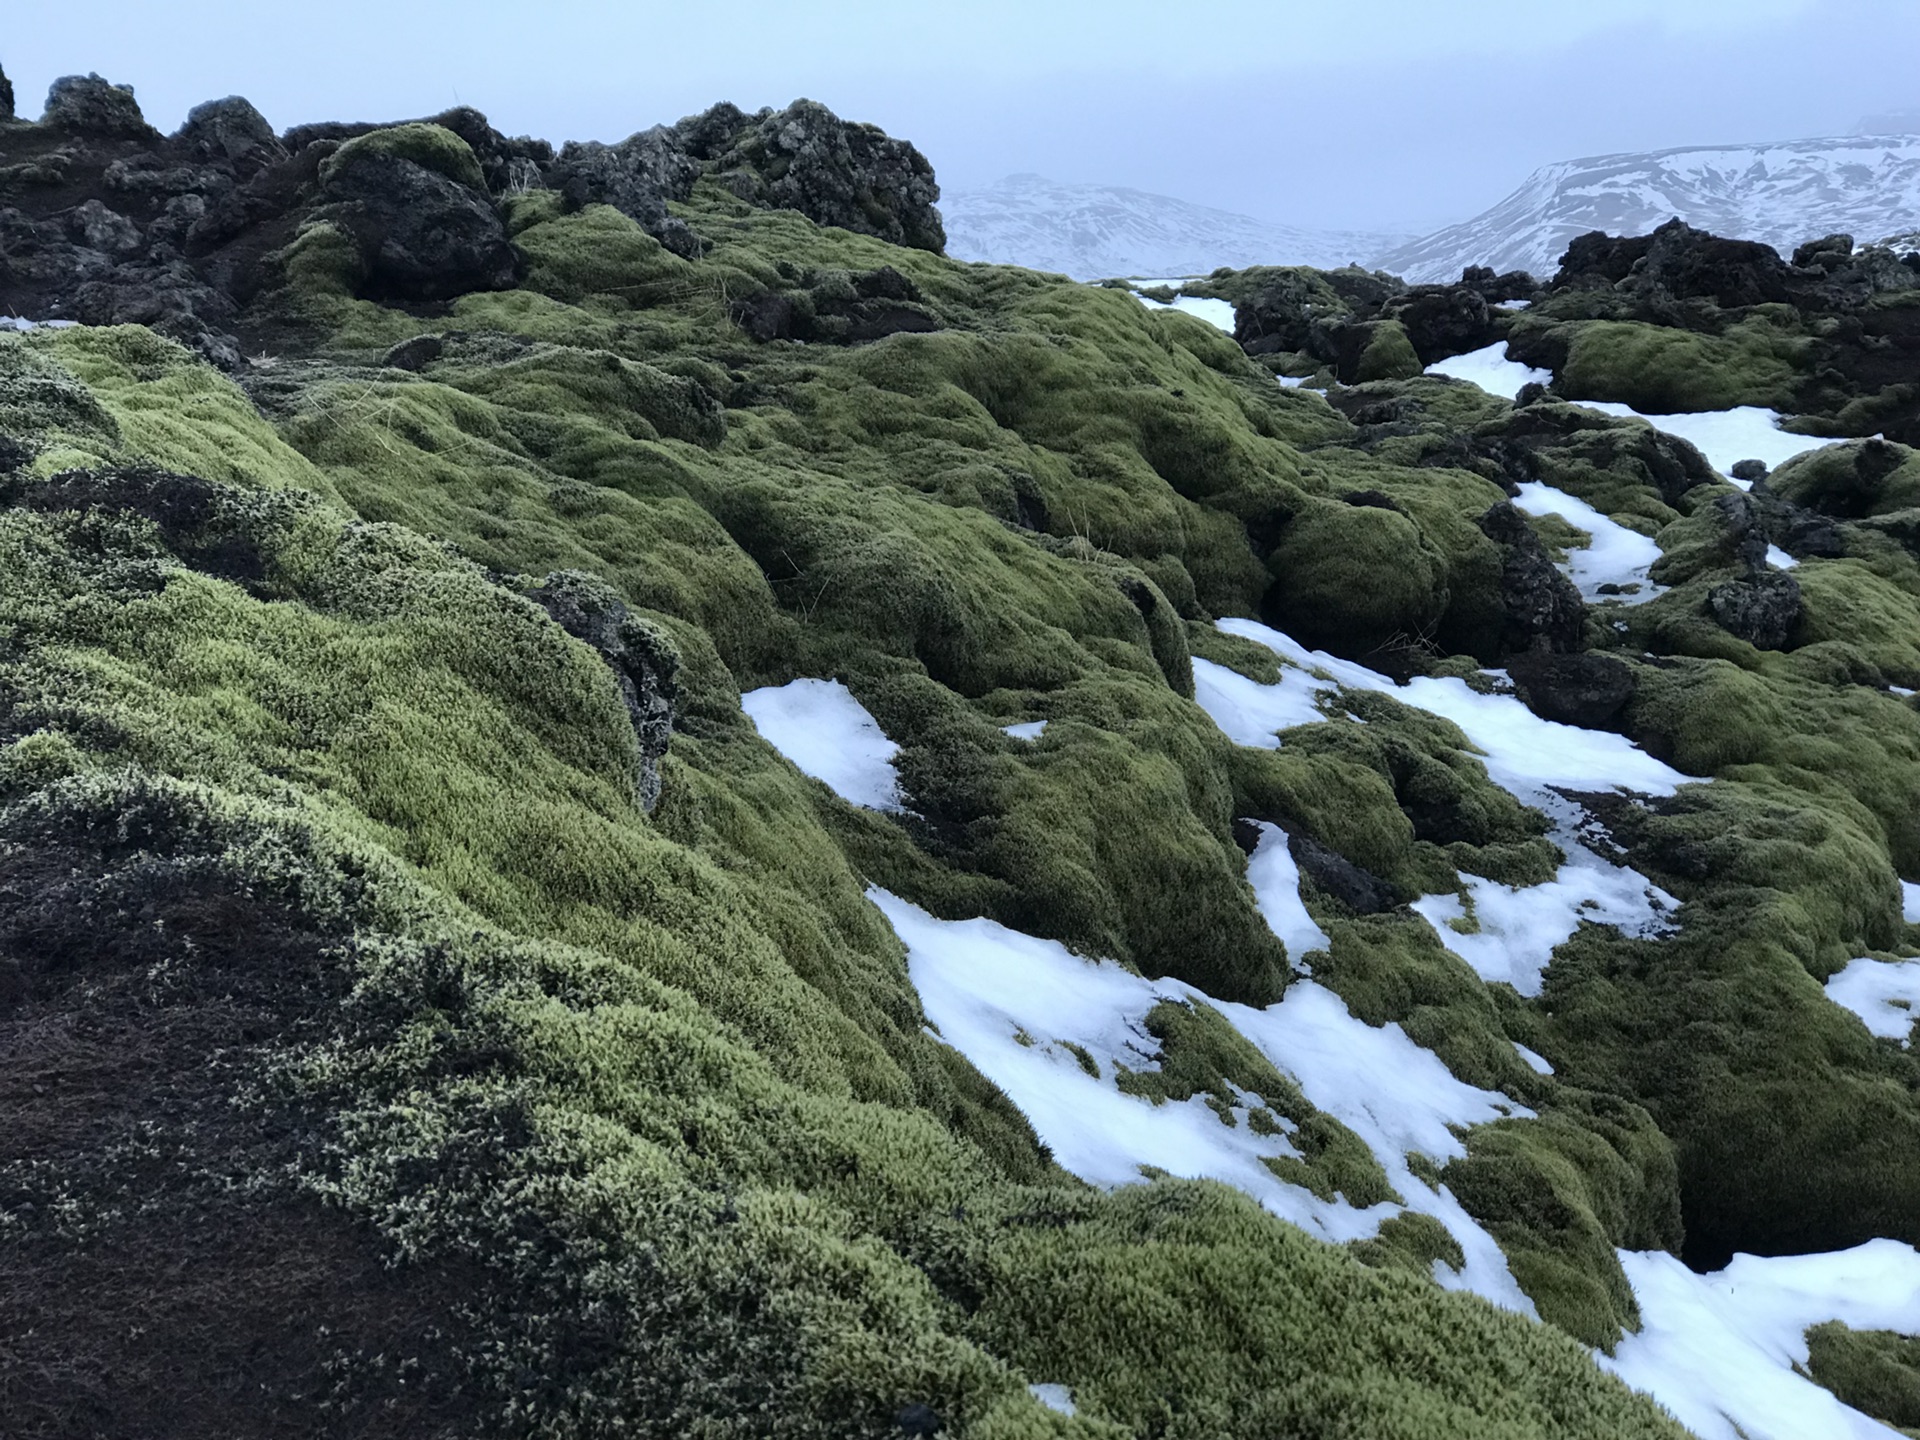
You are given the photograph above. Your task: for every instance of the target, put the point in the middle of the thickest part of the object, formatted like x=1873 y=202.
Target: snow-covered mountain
x=1093 y=232
x=1865 y=185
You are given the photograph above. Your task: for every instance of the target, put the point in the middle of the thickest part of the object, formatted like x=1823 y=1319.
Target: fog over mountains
x=1783 y=193
x=1094 y=232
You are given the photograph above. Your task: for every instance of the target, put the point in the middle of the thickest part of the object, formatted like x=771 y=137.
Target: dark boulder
x=919 y=1420
x=1543 y=607
x=422 y=235
x=1497 y=289
x=1587 y=690
x=89 y=105
x=1690 y=264
x=1446 y=320
x=229 y=132
x=1829 y=253
x=6 y=97
x=643 y=660
x=1762 y=610
x=637 y=177
x=1361 y=891
x=1749 y=471
x=1599 y=259
x=833 y=171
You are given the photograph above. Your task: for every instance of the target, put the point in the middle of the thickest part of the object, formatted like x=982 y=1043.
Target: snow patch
x=1054 y=1397
x=826 y=733
x=1504 y=933
x=1910 y=898
x=1025 y=1011
x=1719 y=1350
x=1217 y=313
x=1275 y=879
x=1614 y=555
x=1492 y=371
x=1885 y=994
x=1541 y=1065
x=16 y=324
x=1780 y=559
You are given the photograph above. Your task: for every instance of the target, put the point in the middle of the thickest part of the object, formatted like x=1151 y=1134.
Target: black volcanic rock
x=89 y=105
x=833 y=171
x=1544 y=609
x=6 y=97
x=1591 y=691
x=422 y=235
x=637 y=177
x=230 y=132
x=1761 y=610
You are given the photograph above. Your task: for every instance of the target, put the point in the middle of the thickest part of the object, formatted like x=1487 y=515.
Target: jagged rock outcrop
x=89 y=105
x=1588 y=690
x=1543 y=607
x=6 y=97
x=805 y=158
x=1370 y=326
x=104 y=221
x=413 y=200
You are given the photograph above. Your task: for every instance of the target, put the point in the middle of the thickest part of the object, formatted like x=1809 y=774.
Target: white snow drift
x=1885 y=994
x=826 y=733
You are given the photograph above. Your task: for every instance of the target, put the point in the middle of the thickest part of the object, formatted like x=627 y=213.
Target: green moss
x=1410 y=1242
x=434 y=147
x=1661 y=371
x=1877 y=1372
x=1355 y=579
x=1389 y=355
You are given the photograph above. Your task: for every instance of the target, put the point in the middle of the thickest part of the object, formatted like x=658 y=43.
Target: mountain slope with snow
x=1783 y=194
x=1092 y=232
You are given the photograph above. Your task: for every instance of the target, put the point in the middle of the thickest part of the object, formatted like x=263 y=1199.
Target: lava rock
x=1828 y=253
x=637 y=177
x=1544 y=609
x=229 y=132
x=89 y=105
x=1587 y=690
x=1690 y=264
x=1762 y=610
x=1749 y=471
x=1361 y=891
x=421 y=235
x=415 y=354
x=643 y=661
x=835 y=172
x=1446 y=320
x=919 y=1420
x=6 y=97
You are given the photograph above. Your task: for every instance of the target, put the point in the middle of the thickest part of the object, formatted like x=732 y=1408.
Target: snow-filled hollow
x=1614 y=556
x=1505 y=933
x=827 y=734
x=1720 y=1350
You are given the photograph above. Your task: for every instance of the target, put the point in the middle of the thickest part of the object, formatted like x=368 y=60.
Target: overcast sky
x=1377 y=114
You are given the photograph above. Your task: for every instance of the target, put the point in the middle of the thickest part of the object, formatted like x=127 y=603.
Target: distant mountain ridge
x=1094 y=232
x=1784 y=193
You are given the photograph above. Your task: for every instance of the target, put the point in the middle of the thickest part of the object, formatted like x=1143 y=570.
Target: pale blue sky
x=1362 y=113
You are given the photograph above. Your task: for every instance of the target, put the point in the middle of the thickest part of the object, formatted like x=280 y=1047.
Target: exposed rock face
x=643 y=661
x=838 y=307
x=6 y=97
x=229 y=132
x=1544 y=608
x=1591 y=691
x=89 y=105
